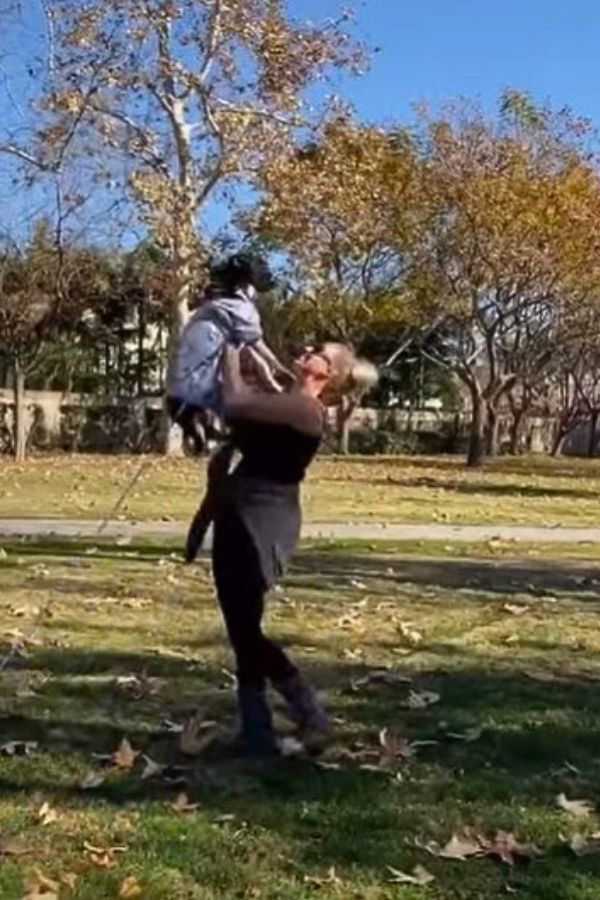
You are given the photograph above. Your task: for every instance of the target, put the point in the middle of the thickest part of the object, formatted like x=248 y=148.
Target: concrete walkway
x=333 y=530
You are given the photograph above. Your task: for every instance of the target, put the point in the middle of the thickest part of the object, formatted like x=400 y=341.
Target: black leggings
x=241 y=590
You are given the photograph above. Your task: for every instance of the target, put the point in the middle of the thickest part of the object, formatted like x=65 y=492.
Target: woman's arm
x=285 y=409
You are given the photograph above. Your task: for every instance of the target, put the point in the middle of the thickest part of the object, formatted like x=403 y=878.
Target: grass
x=96 y=613
x=527 y=491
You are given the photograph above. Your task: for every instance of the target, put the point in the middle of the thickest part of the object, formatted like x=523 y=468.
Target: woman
x=257 y=525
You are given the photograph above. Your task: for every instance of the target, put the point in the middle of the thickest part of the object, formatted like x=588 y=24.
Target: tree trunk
x=593 y=433
x=559 y=439
x=491 y=431
x=20 y=424
x=516 y=431
x=141 y=355
x=476 y=451
x=172 y=434
x=344 y=412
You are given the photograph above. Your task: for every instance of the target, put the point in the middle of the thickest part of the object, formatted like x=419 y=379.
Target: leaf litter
x=580 y=809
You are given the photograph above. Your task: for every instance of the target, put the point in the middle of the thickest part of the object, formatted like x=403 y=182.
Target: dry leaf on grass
x=104 y=857
x=290 y=746
x=151 y=769
x=515 y=609
x=504 y=846
x=359 y=585
x=395 y=748
x=92 y=780
x=410 y=636
x=46 y=815
x=125 y=756
x=468 y=736
x=419 y=876
x=580 y=809
x=130 y=888
x=196 y=736
x=585 y=845
x=18 y=748
x=460 y=846
x=319 y=881
x=181 y=804
x=39 y=887
x=379 y=676
x=421 y=699
x=172 y=727
x=69 y=879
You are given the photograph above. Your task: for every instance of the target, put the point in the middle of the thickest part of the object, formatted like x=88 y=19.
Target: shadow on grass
x=483 y=487
x=348 y=817
x=581 y=581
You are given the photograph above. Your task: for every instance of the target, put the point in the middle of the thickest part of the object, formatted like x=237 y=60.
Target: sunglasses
x=319 y=350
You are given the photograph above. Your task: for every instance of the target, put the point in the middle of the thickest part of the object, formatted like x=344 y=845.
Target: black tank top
x=278 y=453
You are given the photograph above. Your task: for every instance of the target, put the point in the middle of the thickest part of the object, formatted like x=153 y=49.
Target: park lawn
x=533 y=491
x=122 y=637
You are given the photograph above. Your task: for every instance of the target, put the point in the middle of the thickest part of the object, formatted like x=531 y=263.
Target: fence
x=57 y=421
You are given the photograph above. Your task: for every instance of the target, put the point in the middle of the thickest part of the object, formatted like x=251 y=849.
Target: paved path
x=333 y=530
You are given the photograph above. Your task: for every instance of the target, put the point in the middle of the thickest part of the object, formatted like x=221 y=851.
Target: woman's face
x=313 y=364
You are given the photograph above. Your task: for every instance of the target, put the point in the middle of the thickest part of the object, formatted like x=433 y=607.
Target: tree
x=43 y=289
x=188 y=98
x=333 y=206
x=509 y=244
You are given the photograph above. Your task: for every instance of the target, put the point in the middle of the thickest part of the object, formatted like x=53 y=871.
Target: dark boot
x=257 y=736
x=303 y=706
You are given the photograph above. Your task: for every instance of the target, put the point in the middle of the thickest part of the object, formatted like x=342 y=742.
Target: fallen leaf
x=419 y=876
x=196 y=736
x=394 y=748
x=504 y=846
x=172 y=727
x=181 y=804
x=70 y=879
x=580 y=809
x=40 y=887
x=379 y=676
x=421 y=699
x=460 y=846
x=18 y=748
x=130 y=888
x=104 y=857
x=46 y=814
x=585 y=845
x=152 y=769
x=291 y=746
x=468 y=736
x=359 y=585
x=515 y=609
x=92 y=780
x=409 y=635
x=125 y=757
x=319 y=881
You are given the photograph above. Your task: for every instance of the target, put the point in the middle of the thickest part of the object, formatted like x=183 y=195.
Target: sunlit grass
x=511 y=646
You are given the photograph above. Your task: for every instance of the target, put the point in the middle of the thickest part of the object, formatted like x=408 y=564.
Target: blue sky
x=438 y=49
x=430 y=50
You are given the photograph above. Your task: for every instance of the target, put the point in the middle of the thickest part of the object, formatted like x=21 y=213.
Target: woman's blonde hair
x=351 y=375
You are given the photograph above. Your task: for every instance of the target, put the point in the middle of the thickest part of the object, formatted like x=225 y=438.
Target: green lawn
x=536 y=491
x=123 y=637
